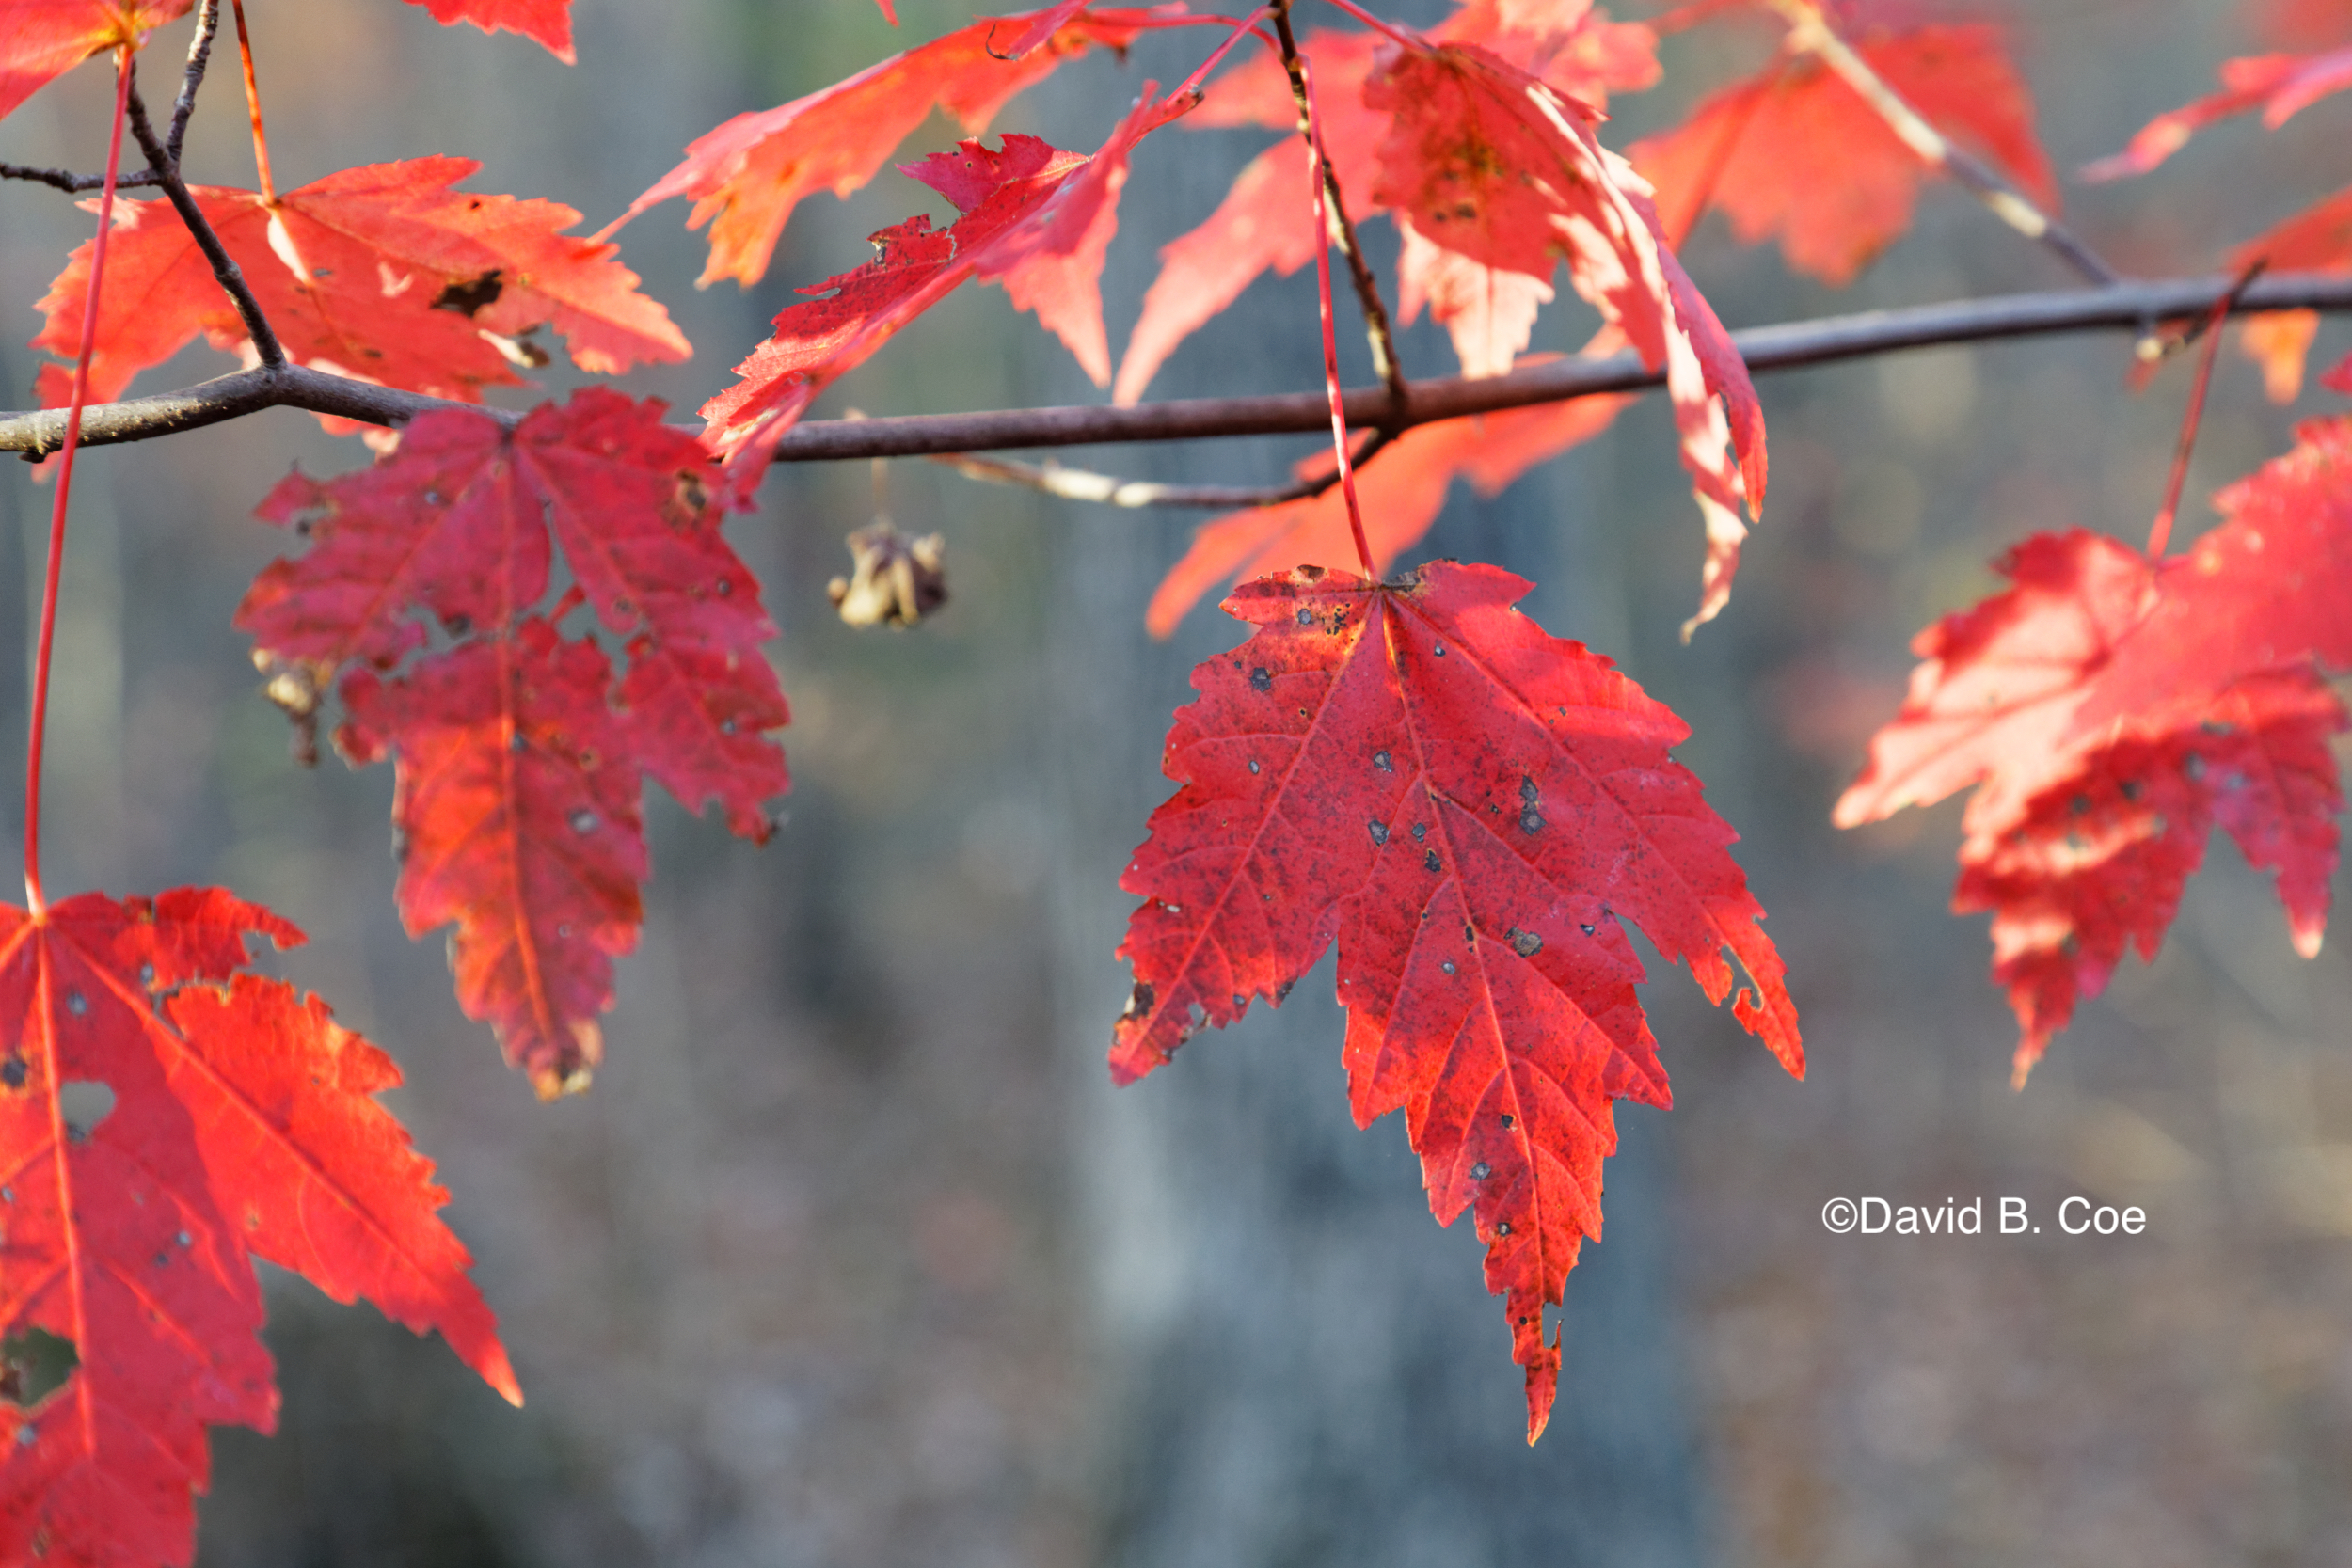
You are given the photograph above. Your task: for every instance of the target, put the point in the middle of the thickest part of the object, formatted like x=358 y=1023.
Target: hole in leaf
x=84 y=1103
x=35 y=1365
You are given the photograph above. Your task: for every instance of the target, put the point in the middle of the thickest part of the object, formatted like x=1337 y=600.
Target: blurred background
x=852 y=1257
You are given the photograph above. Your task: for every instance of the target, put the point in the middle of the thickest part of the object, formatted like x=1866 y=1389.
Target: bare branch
x=1079 y=485
x=166 y=170
x=1810 y=30
x=1385 y=363
x=71 y=182
x=200 y=56
x=1789 y=345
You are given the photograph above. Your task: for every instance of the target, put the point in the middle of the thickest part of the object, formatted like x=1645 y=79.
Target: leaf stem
x=2160 y=535
x=1332 y=215
x=38 y=725
x=1303 y=74
x=253 y=110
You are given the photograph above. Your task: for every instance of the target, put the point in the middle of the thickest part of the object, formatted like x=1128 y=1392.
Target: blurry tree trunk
x=1297 y=1366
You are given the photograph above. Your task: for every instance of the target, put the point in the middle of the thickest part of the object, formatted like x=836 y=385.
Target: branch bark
x=1789 y=345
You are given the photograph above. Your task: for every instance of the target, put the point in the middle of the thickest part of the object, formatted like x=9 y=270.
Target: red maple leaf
x=520 y=756
x=1796 y=152
x=1490 y=163
x=384 y=273
x=242 y=1123
x=548 y=22
x=1400 y=493
x=2187 y=679
x=2280 y=86
x=42 y=40
x=1034 y=216
x=748 y=175
x=1469 y=808
x=1263 y=225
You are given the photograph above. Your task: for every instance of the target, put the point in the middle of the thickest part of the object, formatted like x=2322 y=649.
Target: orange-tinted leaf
x=410 y=283
x=547 y=22
x=2280 y=86
x=521 y=756
x=2317 y=239
x=42 y=40
x=748 y=175
x=1400 y=493
x=1798 y=154
x=2279 y=341
x=1034 y=216
x=1471 y=808
x=236 y=1118
x=1489 y=162
x=2098 y=859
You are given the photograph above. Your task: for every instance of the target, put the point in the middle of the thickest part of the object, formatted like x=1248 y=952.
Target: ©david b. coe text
x=2012 y=1216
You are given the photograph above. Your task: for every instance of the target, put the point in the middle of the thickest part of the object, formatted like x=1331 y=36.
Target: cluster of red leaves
x=1471 y=808
x=2109 y=708
x=384 y=274
x=520 y=751
x=2319 y=238
x=243 y=1124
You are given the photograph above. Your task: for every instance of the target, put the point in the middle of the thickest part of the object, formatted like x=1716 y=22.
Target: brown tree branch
x=1385 y=364
x=166 y=169
x=200 y=56
x=1789 y=345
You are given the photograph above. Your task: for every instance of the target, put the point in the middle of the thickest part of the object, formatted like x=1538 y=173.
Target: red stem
x=1330 y=335
x=253 y=109
x=39 y=725
x=1388 y=29
x=1241 y=29
x=2160 y=535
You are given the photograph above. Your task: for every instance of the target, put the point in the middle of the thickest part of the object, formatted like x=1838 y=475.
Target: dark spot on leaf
x=2080 y=804
x=2194 y=766
x=1380 y=760
x=1262 y=678
x=584 y=821
x=1431 y=863
x=1527 y=790
x=1307 y=617
x=1139 y=1000
x=2131 y=788
x=1253 y=765
x=1240 y=1002
x=1379 y=830
x=470 y=295
x=1420 y=831
x=1469 y=934
x=1503 y=1228
x=13 y=1071
x=1482 y=1170
x=1532 y=820
x=1525 y=943
x=1586 y=927
x=1441 y=649
x=34 y=1364
x=76 y=1004
x=1447 y=966
x=1507 y=1121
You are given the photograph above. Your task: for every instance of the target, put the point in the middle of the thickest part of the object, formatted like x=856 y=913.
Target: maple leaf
x=384 y=273
x=2100 y=667
x=1034 y=216
x=1469 y=808
x=242 y=1121
x=42 y=40
x=546 y=21
x=1401 y=493
x=1490 y=163
x=2099 y=858
x=520 y=756
x=748 y=175
x=1796 y=152
x=1261 y=225
x=2280 y=86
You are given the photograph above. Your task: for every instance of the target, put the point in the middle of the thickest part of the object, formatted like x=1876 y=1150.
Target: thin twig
x=1385 y=363
x=1079 y=485
x=231 y=279
x=1789 y=345
x=1809 y=30
x=200 y=56
x=71 y=182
